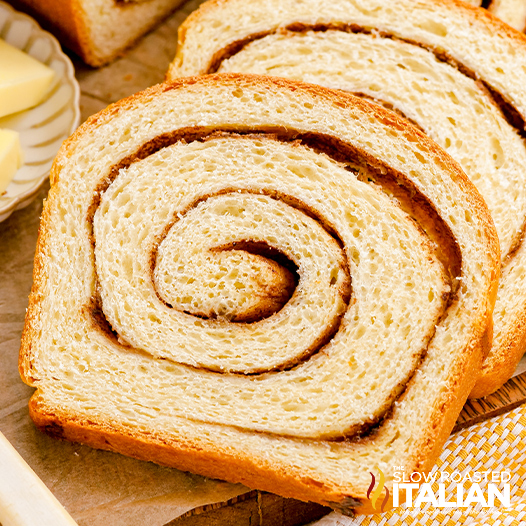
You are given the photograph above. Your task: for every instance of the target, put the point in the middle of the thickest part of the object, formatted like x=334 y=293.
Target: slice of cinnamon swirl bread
x=452 y=69
x=259 y=280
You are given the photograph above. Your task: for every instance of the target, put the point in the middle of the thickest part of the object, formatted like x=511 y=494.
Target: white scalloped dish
x=42 y=128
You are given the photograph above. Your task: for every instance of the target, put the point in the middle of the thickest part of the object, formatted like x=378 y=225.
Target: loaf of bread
x=453 y=70
x=262 y=281
x=98 y=30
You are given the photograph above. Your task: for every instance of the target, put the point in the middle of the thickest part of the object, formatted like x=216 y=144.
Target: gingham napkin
x=496 y=445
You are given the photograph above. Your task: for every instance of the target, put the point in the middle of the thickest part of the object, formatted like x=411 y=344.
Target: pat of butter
x=23 y=80
x=10 y=157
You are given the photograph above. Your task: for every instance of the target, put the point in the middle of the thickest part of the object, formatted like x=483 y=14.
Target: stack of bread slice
x=280 y=283
x=262 y=281
x=453 y=70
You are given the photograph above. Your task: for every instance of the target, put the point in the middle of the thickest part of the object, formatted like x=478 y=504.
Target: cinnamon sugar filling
x=510 y=113
x=393 y=183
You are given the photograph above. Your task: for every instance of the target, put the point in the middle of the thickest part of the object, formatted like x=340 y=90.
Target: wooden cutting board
x=144 y=66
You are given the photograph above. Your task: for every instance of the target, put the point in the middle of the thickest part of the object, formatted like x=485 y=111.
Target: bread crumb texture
x=243 y=293
x=454 y=71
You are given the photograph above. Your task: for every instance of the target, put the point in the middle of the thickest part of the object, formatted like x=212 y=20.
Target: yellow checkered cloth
x=497 y=445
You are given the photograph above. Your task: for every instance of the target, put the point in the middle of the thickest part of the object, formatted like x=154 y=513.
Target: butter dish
x=42 y=128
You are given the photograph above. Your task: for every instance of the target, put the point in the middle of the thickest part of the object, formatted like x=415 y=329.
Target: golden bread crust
x=67 y=19
x=72 y=25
